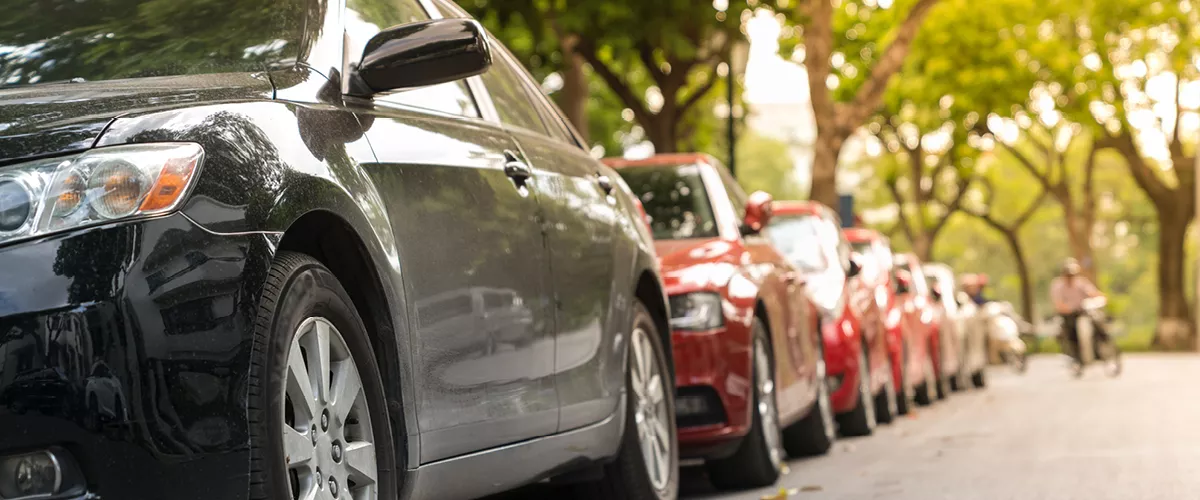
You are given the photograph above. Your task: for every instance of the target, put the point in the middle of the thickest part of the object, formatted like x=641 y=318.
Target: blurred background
x=998 y=137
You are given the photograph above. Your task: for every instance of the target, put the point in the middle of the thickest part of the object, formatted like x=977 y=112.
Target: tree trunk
x=575 y=87
x=1079 y=240
x=1014 y=244
x=1175 y=330
x=661 y=132
x=824 y=169
x=922 y=245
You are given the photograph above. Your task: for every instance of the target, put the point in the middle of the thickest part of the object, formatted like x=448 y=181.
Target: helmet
x=1071 y=267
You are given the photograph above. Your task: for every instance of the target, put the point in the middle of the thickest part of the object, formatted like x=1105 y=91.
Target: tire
x=926 y=391
x=905 y=400
x=860 y=421
x=815 y=433
x=1112 y=359
x=955 y=385
x=979 y=379
x=758 y=460
x=887 y=402
x=304 y=310
x=942 y=391
x=628 y=476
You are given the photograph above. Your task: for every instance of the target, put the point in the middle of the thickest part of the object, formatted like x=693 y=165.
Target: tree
x=842 y=108
x=765 y=164
x=1108 y=61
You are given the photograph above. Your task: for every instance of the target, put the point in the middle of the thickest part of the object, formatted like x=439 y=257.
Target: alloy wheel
x=767 y=413
x=328 y=444
x=650 y=410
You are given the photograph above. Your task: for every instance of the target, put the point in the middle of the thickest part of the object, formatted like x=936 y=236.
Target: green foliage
x=765 y=164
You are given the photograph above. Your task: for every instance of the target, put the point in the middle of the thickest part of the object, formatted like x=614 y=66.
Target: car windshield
x=45 y=41
x=798 y=238
x=675 y=200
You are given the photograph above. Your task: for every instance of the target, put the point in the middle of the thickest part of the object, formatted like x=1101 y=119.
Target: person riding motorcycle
x=973 y=284
x=1068 y=292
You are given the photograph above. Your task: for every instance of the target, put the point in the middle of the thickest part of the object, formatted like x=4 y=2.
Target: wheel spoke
x=360 y=461
x=662 y=437
x=297 y=447
x=317 y=344
x=299 y=385
x=654 y=390
x=347 y=390
x=637 y=371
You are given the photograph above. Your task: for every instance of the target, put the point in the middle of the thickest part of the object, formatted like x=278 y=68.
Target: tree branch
x=1160 y=194
x=818 y=48
x=615 y=82
x=1028 y=165
x=704 y=88
x=646 y=54
x=870 y=95
x=903 y=220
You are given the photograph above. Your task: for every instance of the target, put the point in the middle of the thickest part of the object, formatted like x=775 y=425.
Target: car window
x=799 y=239
x=365 y=18
x=43 y=41
x=675 y=200
x=509 y=94
x=737 y=196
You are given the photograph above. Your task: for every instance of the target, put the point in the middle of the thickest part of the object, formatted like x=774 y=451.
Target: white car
x=964 y=334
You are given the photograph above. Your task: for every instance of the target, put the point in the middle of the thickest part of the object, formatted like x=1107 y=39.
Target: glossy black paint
x=420 y=54
x=497 y=308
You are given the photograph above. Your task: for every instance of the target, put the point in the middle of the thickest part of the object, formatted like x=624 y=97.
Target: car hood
x=697 y=264
x=46 y=119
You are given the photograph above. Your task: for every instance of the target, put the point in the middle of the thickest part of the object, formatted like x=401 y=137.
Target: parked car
x=809 y=234
x=345 y=250
x=921 y=314
x=964 y=337
x=747 y=355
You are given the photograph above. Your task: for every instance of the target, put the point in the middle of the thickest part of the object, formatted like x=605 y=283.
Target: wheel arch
x=650 y=292
x=332 y=240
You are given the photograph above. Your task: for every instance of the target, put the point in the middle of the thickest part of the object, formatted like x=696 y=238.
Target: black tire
x=752 y=465
x=956 y=385
x=860 y=421
x=942 y=390
x=626 y=478
x=979 y=379
x=905 y=397
x=815 y=433
x=299 y=287
x=887 y=402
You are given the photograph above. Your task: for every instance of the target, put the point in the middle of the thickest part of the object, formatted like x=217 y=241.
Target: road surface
x=1042 y=435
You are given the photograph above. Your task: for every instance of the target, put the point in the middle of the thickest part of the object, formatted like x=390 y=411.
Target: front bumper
x=128 y=345
x=713 y=362
x=841 y=368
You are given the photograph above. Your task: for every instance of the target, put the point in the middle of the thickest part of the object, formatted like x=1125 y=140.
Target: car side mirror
x=758 y=212
x=937 y=294
x=902 y=285
x=421 y=54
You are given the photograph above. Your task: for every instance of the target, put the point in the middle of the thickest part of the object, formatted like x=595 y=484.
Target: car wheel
x=319 y=426
x=906 y=391
x=647 y=465
x=955 y=384
x=815 y=433
x=861 y=420
x=979 y=379
x=759 y=459
x=926 y=391
x=887 y=403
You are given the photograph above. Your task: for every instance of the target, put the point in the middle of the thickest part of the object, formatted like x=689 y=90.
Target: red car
x=921 y=313
x=856 y=350
x=749 y=375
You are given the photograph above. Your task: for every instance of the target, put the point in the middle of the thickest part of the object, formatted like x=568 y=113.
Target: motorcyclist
x=973 y=284
x=1068 y=292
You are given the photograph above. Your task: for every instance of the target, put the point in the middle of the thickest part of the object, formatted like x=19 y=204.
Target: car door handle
x=515 y=168
x=605 y=183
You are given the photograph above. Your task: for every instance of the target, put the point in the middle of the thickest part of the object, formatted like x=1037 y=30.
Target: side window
x=365 y=18
x=508 y=92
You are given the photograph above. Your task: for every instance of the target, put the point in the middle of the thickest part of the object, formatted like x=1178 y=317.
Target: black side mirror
x=421 y=54
x=937 y=294
x=901 y=287
x=854 y=268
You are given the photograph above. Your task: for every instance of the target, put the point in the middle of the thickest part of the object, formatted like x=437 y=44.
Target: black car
x=311 y=249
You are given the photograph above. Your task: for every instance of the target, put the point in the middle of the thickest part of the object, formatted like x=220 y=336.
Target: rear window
x=799 y=239
x=675 y=200
x=45 y=41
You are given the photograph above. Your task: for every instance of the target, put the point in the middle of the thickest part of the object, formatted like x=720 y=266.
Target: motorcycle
x=1004 y=329
x=1089 y=348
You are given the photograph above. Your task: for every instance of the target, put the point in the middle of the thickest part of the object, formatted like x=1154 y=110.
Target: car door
x=475 y=268
x=575 y=193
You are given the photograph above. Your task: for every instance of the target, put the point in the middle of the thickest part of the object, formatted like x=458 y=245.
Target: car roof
x=660 y=160
x=861 y=234
x=796 y=207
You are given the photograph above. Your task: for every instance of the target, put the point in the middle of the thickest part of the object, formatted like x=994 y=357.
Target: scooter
x=1088 y=350
x=1004 y=330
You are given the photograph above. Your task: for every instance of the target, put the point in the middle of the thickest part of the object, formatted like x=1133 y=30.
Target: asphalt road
x=1042 y=435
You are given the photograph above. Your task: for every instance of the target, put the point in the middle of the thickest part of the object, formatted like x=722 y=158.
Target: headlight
x=696 y=311
x=95 y=187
